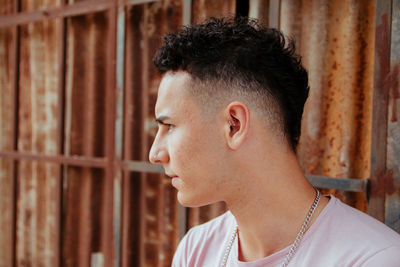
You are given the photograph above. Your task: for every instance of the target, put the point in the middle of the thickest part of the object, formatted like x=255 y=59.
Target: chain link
x=296 y=242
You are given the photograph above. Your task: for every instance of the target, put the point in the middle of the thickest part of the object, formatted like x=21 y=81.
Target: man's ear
x=237 y=117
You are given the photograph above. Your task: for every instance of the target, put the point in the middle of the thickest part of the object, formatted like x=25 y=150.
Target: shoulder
x=388 y=257
x=343 y=235
x=362 y=226
x=202 y=240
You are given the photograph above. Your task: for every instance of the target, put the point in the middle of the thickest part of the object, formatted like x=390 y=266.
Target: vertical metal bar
x=259 y=9
x=120 y=70
x=60 y=134
x=379 y=110
x=187 y=12
x=14 y=133
x=144 y=112
x=392 y=199
x=108 y=241
x=274 y=13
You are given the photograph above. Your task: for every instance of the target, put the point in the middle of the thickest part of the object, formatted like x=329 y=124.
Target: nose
x=158 y=155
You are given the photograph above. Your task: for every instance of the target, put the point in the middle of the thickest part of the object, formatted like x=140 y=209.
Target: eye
x=170 y=127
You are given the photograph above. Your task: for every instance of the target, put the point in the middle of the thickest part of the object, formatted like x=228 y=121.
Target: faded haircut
x=237 y=57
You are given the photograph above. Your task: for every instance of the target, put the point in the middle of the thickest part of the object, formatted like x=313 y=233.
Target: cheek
x=180 y=146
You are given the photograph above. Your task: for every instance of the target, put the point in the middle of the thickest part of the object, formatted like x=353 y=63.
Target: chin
x=192 y=202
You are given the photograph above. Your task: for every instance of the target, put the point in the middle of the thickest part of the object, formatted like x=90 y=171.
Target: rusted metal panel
x=82 y=199
x=379 y=110
x=8 y=54
x=392 y=200
x=31 y=5
x=132 y=221
x=60 y=135
x=203 y=9
x=30 y=14
x=9 y=47
x=336 y=41
x=149 y=233
x=84 y=188
x=107 y=235
x=6 y=214
x=36 y=235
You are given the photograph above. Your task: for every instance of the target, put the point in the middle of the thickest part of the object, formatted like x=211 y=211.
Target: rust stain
x=382 y=32
x=388 y=181
x=392 y=85
x=204 y=9
x=384 y=184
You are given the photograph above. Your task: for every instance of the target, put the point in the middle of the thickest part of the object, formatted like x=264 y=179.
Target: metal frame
x=392 y=198
x=15 y=86
x=379 y=110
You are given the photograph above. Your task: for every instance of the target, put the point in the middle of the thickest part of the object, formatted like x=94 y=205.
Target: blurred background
x=77 y=95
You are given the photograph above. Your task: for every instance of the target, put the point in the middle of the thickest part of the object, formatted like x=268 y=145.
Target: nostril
x=153 y=158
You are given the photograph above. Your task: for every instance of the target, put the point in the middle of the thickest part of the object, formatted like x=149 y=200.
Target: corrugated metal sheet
x=150 y=213
x=85 y=108
x=36 y=212
x=336 y=40
x=393 y=146
x=83 y=196
x=7 y=40
x=202 y=9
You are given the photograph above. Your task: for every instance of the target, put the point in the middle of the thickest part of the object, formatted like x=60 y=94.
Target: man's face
x=188 y=144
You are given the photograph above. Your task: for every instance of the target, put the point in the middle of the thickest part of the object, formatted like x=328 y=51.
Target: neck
x=269 y=215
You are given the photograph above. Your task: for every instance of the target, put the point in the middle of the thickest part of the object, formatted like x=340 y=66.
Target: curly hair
x=240 y=51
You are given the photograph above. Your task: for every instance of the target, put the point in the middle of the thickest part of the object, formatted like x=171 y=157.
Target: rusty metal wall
x=36 y=202
x=150 y=213
x=7 y=81
x=83 y=93
x=336 y=41
x=393 y=143
x=202 y=9
x=83 y=188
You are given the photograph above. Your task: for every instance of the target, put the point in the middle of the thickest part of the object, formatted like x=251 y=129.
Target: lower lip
x=174 y=180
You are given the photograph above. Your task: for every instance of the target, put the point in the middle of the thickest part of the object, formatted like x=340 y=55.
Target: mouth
x=174 y=179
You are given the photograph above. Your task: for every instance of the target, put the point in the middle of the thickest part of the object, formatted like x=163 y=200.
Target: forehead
x=174 y=95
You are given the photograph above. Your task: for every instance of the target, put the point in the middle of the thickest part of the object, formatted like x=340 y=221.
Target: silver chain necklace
x=296 y=242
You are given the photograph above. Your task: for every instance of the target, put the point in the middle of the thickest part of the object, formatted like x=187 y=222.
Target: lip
x=174 y=181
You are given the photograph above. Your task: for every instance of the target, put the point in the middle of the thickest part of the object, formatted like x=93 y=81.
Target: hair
x=238 y=54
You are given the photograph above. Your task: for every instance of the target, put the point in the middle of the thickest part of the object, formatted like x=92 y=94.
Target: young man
x=229 y=111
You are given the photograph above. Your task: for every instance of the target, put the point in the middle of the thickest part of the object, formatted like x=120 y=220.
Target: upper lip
x=171 y=175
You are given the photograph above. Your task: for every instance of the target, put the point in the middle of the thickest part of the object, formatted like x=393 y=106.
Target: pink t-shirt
x=340 y=236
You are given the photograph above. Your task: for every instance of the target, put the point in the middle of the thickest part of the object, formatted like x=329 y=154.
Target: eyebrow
x=161 y=119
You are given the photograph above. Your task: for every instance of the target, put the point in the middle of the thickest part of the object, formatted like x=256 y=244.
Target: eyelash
x=167 y=125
